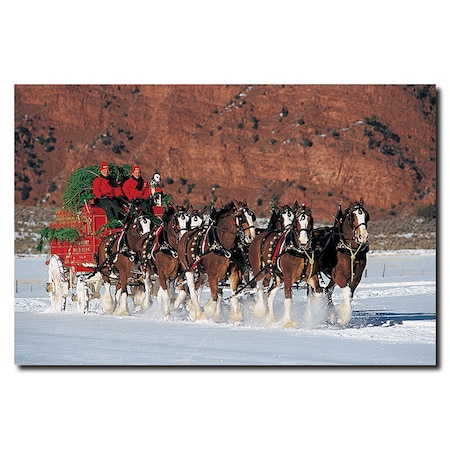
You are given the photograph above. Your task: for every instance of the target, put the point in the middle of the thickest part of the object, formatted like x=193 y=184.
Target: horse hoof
x=343 y=321
x=344 y=315
x=108 y=310
x=237 y=319
x=259 y=310
x=210 y=309
x=121 y=312
x=195 y=315
x=289 y=324
x=270 y=320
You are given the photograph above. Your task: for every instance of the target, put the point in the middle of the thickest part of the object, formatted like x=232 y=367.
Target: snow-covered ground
x=393 y=324
x=245 y=407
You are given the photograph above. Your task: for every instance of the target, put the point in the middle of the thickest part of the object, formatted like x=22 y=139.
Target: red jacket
x=131 y=191
x=102 y=188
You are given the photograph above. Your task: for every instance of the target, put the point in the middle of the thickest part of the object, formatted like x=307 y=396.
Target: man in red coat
x=136 y=188
x=106 y=193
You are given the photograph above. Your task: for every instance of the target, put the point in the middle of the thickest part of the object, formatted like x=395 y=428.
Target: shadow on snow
x=363 y=319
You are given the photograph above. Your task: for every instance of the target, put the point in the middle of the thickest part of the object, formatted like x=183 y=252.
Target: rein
x=225 y=231
x=238 y=291
x=216 y=247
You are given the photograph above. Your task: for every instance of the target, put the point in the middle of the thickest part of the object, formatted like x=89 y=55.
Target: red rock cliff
x=320 y=144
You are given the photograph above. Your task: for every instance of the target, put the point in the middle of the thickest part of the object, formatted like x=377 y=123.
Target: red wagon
x=71 y=263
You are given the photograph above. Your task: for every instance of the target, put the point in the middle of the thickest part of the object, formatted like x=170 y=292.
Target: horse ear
x=296 y=205
x=361 y=200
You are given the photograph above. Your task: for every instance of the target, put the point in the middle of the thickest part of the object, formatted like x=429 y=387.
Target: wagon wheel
x=55 y=285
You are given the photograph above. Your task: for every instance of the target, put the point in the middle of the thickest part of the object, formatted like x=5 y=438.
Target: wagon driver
x=107 y=193
x=136 y=188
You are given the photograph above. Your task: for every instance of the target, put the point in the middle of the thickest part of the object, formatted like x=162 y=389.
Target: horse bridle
x=304 y=212
x=288 y=211
x=361 y=209
x=241 y=218
x=176 y=222
x=342 y=245
x=349 y=215
x=361 y=246
x=136 y=224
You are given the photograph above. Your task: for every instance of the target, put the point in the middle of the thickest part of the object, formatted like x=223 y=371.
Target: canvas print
x=225 y=225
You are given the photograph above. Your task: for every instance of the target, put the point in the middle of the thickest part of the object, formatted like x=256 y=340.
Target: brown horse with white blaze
x=344 y=257
x=160 y=255
x=283 y=255
x=215 y=252
x=117 y=256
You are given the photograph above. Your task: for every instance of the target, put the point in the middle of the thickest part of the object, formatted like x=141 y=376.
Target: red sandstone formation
x=319 y=144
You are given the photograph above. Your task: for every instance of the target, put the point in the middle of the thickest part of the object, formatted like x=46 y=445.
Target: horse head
x=196 y=218
x=287 y=216
x=245 y=220
x=181 y=220
x=142 y=224
x=304 y=222
x=357 y=218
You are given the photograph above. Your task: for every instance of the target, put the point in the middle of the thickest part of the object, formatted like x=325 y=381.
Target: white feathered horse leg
x=109 y=303
x=270 y=317
x=171 y=288
x=180 y=298
x=122 y=307
x=236 y=316
x=138 y=297
x=260 y=307
x=213 y=308
x=193 y=305
x=148 y=291
x=236 y=309
x=286 y=321
x=316 y=308
x=82 y=296
x=345 y=308
x=164 y=301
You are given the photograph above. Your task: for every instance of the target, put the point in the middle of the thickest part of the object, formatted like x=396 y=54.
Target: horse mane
x=168 y=213
x=356 y=204
x=224 y=210
x=303 y=208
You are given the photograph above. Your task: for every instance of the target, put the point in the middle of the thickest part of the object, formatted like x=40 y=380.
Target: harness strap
x=238 y=291
x=342 y=245
x=279 y=245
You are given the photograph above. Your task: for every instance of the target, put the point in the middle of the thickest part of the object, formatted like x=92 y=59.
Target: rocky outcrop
x=321 y=144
